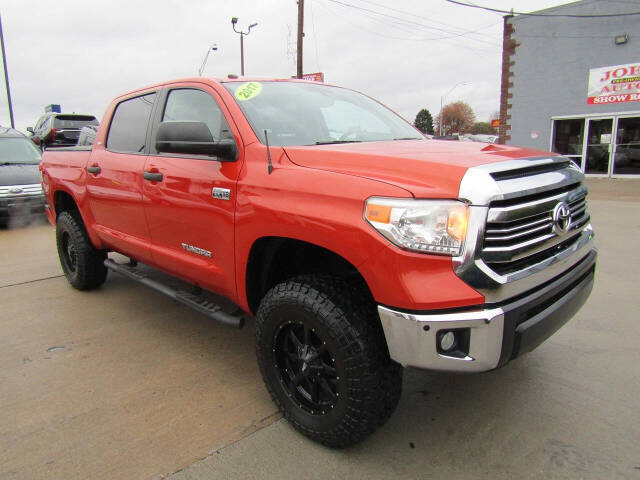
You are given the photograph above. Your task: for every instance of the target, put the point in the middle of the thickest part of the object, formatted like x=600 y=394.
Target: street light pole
x=442 y=100
x=234 y=20
x=214 y=47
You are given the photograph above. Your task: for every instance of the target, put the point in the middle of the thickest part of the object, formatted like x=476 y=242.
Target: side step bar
x=194 y=301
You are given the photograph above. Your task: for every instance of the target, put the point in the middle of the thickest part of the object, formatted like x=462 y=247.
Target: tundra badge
x=196 y=250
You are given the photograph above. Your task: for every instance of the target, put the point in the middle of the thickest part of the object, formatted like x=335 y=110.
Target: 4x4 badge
x=221 y=193
x=561 y=218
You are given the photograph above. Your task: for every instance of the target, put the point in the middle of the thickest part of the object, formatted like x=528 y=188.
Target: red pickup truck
x=357 y=245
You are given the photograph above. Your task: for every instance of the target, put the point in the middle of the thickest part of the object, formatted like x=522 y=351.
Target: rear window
x=74 y=121
x=128 y=130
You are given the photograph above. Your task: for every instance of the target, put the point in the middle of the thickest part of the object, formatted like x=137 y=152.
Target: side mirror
x=194 y=138
x=30 y=130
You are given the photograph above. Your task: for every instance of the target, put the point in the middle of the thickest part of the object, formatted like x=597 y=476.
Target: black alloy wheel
x=307 y=368
x=69 y=256
x=324 y=360
x=81 y=262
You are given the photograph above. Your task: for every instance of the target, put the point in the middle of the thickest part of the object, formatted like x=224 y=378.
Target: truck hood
x=23 y=174
x=426 y=168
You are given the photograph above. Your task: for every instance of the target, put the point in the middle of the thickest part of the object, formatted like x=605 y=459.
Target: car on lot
x=21 y=197
x=59 y=129
x=87 y=135
x=359 y=246
x=480 y=137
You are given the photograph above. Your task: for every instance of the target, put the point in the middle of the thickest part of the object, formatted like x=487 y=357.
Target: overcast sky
x=405 y=53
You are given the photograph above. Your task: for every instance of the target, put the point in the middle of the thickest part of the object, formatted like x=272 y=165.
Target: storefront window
x=627 y=157
x=598 y=146
x=567 y=138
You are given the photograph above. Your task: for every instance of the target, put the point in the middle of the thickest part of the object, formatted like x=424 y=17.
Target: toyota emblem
x=15 y=190
x=561 y=218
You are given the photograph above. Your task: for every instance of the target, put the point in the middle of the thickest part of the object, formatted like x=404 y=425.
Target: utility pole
x=6 y=76
x=300 y=35
x=234 y=20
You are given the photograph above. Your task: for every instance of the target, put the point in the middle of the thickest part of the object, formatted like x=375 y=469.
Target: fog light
x=448 y=341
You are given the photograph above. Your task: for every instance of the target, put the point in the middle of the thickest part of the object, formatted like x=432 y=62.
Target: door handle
x=152 y=176
x=95 y=169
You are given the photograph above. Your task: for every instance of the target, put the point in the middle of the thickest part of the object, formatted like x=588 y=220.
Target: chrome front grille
x=521 y=232
x=20 y=190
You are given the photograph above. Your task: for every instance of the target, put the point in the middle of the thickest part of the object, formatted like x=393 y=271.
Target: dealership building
x=571 y=84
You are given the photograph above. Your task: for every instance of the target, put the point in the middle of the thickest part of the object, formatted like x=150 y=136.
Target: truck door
x=114 y=179
x=190 y=199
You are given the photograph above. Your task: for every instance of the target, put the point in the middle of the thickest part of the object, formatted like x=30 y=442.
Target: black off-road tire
x=81 y=262
x=368 y=383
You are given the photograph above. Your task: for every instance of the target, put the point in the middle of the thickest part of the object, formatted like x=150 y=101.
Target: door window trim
x=159 y=113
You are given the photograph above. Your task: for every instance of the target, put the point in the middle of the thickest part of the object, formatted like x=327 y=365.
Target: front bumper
x=491 y=336
x=21 y=206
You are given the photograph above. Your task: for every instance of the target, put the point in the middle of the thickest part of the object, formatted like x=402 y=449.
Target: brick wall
x=508 y=51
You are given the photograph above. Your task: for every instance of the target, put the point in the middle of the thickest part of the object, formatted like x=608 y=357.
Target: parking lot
x=122 y=382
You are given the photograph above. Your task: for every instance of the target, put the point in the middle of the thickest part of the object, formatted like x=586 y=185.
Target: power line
x=411 y=14
x=511 y=12
x=393 y=23
x=409 y=23
x=373 y=32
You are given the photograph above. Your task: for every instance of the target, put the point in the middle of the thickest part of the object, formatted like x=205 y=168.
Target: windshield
x=18 y=151
x=310 y=114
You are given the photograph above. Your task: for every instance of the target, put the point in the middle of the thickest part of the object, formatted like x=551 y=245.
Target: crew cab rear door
x=114 y=177
x=190 y=199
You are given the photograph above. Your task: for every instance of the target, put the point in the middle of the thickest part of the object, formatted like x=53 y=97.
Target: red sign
x=495 y=123
x=623 y=98
x=316 y=77
x=615 y=84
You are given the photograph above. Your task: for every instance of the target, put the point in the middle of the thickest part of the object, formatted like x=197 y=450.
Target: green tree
x=483 y=128
x=424 y=121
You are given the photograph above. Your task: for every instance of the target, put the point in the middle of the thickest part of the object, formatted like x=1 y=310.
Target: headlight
x=430 y=226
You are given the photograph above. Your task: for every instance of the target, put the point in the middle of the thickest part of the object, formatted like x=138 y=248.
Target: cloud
x=82 y=54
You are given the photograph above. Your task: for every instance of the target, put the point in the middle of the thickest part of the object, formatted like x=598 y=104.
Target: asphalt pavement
x=125 y=383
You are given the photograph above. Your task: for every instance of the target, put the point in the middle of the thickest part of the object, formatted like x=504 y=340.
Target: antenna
x=266 y=138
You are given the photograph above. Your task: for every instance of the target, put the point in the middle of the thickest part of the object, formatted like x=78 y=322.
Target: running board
x=194 y=301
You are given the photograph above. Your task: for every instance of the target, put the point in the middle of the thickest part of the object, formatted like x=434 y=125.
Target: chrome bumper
x=411 y=339
x=496 y=334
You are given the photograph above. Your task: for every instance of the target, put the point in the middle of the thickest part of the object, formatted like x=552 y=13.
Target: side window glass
x=196 y=106
x=128 y=130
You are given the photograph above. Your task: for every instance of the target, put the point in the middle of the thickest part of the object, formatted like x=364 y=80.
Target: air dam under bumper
x=489 y=337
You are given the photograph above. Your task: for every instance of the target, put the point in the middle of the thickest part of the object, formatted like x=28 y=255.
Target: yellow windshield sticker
x=248 y=90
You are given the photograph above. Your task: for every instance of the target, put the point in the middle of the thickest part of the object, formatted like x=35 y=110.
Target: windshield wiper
x=331 y=142
x=408 y=138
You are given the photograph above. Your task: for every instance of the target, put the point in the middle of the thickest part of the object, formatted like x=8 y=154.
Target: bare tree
x=457 y=117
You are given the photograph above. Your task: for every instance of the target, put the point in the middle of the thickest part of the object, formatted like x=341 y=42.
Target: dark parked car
x=59 y=129
x=21 y=196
